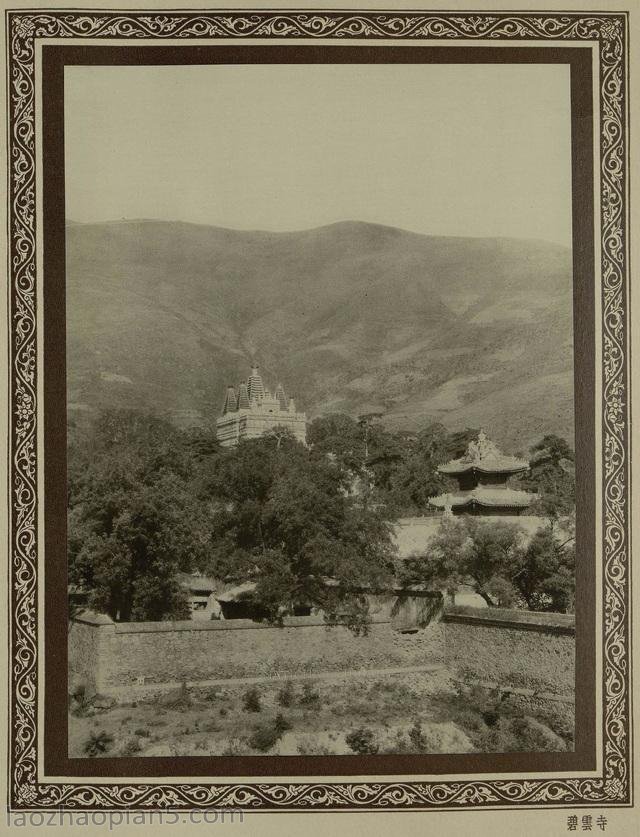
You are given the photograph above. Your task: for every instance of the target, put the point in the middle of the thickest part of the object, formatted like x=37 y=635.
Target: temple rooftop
x=482 y=475
x=484 y=496
x=483 y=456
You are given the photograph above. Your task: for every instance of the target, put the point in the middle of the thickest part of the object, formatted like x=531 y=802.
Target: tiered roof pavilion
x=482 y=475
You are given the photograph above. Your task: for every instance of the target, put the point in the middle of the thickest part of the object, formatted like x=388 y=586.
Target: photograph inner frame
x=498 y=792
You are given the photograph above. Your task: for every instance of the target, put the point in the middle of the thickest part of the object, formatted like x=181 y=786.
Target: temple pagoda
x=252 y=410
x=482 y=475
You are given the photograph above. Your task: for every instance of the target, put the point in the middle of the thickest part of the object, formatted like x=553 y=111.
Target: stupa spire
x=230 y=401
x=243 y=397
x=255 y=385
x=281 y=397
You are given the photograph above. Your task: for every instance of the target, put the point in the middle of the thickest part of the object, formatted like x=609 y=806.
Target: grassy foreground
x=424 y=712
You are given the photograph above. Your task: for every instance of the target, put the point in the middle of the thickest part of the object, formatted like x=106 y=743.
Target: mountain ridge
x=72 y=222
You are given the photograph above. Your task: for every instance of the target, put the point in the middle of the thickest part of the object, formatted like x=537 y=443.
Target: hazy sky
x=480 y=150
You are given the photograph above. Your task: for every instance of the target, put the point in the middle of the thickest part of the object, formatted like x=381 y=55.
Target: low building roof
x=237 y=593
x=197 y=583
x=92 y=618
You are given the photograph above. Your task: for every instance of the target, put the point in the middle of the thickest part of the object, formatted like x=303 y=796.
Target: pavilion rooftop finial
x=482 y=454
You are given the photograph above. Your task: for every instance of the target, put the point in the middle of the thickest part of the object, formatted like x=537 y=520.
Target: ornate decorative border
x=610 y=31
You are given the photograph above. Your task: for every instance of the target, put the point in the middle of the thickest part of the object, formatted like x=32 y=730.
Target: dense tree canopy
x=495 y=558
x=133 y=520
x=552 y=477
x=398 y=469
x=546 y=578
x=286 y=521
x=470 y=550
x=309 y=525
x=147 y=501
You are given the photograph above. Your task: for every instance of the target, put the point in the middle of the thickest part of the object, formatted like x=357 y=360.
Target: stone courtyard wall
x=146 y=653
x=89 y=648
x=508 y=648
x=512 y=648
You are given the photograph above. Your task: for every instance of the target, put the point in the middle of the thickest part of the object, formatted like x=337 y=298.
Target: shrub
x=561 y=718
x=223 y=711
x=234 y=747
x=398 y=746
x=268 y=733
x=417 y=739
x=363 y=741
x=264 y=737
x=97 y=743
x=80 y=702
x=390 y=690
x=533 y=736
x=80 y=710
x=286 y=696
x=281 y=723
x=512 y=735
x=251 y=701
x=407 y=743
x=499 y=739
x=469 y=720
x=309 y=696
x=78 y=690
x=129 y=747
x=306 y=746
x=142 y=732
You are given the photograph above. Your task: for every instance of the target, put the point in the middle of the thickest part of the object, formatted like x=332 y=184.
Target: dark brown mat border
x=55 y=58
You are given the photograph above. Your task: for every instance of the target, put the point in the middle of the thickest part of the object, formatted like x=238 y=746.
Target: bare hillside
x=349 y=317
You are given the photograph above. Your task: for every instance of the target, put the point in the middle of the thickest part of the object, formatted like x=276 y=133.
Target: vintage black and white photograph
x=319 y=433
x=320 y=409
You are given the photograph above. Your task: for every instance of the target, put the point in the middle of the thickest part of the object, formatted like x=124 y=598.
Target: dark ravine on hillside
x=350 y=317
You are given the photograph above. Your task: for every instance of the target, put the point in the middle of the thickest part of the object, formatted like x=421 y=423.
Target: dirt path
x=142 y=690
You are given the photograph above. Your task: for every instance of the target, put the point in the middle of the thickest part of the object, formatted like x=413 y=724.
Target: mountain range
x=350 y=317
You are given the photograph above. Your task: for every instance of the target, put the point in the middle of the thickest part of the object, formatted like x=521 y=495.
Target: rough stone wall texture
x=511 y=655
x=112 y=656
x=165 y=655
x=89 y=653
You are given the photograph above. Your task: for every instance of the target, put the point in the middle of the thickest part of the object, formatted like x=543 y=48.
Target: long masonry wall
x=111 y=656
x=510 y=648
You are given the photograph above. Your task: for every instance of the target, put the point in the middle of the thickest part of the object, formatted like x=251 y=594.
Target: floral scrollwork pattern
x=609 y=30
